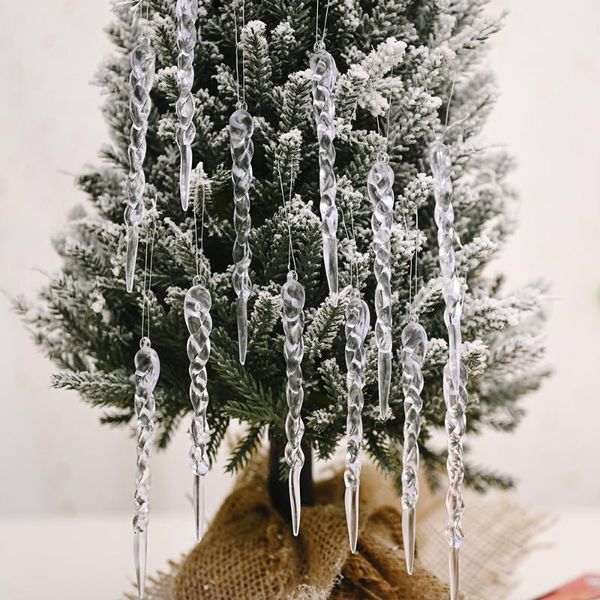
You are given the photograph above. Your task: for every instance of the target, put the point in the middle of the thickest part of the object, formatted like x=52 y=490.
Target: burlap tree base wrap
x=249 y=551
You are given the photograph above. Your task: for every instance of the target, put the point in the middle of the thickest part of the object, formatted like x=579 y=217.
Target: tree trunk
x=279 y=489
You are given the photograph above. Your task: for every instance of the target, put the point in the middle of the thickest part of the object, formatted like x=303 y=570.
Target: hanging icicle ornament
x=196 y=311
x=141 y=79
x=241 y=128
x=292 y=296
x=197 y=307
x=292 y=300
x=187 y=35
x=455 y=373
x=414 y=346
x=357 y=327
x=380 y=183
x=147 y=371
x=324 y=75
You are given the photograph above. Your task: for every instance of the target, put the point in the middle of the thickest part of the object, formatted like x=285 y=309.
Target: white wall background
x=54 y=457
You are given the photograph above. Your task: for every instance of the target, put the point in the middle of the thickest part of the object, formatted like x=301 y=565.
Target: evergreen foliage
x=406 y=51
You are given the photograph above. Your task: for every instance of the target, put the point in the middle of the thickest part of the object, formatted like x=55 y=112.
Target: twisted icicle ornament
x=414 y=345
x=241 y=129
x=196 y=311
x=187 y=14
x=147 y=371
x=357 y=326
x=380 y=190
x=292 y=295
x=324 y=76
x=141 y=80
x=455 y=373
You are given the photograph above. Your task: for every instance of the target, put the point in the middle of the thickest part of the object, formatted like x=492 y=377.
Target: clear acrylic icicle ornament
x=414 y=346
x=357 y=327
x=241 y=128
x=324 y=75
x=141 y=79
x=187 y=35
x=147 y=372
x=455 y=373
x=380 y=183
x=293 y=297
x=196 y=309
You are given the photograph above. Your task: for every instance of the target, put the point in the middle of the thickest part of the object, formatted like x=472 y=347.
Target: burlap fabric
x=249 y=552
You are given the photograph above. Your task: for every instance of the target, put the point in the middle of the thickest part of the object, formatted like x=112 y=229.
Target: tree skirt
x=250 y=552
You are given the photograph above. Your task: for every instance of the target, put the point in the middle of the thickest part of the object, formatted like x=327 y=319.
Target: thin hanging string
x=355 y=259
x=410 y=264
x=147 y=281
x=237 y=55
x=135 y=5
x=416 y=260
x=351 y=238
x=243 y=55
x=348 y=238
x=199 y=245
x=389 y=115
x=320 y=42
x=287 y=207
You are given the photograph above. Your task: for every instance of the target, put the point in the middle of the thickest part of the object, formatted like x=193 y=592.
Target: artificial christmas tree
x=398 y=61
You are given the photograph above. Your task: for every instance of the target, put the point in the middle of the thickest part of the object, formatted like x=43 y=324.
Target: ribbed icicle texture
x=141 y=79
x=380 y=190
x=324 y=75
x=187 y=35
x=414 y=345
x=147 y=372
x=455 y=373
x=357 y=327
x=293 y=297
x=198 y=303
x=241 y=128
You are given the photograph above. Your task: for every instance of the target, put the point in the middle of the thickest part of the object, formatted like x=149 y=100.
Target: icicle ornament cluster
x=197 y=306
x=241 y=128
x=357 y=327
x=455 y=373
x=380 y=183
x=414 y=346
x=187 y=35
x=147 y=372
x=324 y=75
x=143 y=61
x=293 y=297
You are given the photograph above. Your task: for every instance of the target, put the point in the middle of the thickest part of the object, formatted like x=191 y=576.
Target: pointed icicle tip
x=409 y=534
x=454 y=575
x=140 y=551
x=242 y=323
x=352 y=515
x=199 y=504
x=295 y=500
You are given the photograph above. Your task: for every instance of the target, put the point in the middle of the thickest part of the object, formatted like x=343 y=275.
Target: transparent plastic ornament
x=414 y=346
x=147 y=372
x=455 y=373
x=197 y=316
x=241 y=128
x=324 y=75
x=380 y=183
x=141 y=79
x=293 y=297
x=357 y=327
x=187 y=35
